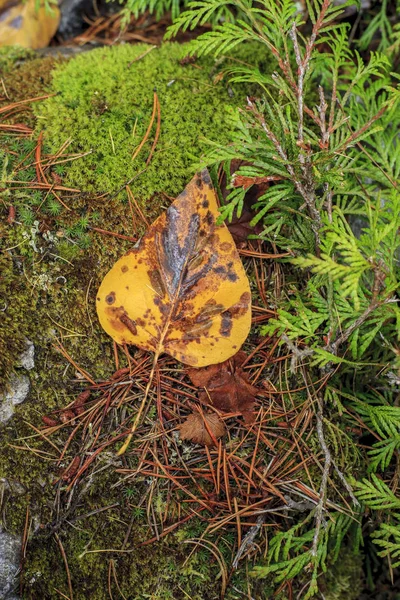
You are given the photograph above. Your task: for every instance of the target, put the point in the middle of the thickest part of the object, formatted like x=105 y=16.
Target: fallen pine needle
x=146 y=135
x=71 y=595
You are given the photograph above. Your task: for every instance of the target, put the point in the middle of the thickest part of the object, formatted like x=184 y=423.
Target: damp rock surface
x=27 y=358
x=10 y=548
x=15 y=394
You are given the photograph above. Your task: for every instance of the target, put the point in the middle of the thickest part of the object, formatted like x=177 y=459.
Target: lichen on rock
x=17 y=392
x=10 y=550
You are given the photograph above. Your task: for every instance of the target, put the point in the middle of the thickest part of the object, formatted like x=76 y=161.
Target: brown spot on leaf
x=163 y=308
x=226 y=324
x=241 y=307
x=124 y=268
x=209 y=218
x=197 y=330
x=211 y=309
x=110 y=298
x=129 y=323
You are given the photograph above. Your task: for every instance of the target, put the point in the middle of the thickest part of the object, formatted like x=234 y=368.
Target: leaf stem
x=124 y=447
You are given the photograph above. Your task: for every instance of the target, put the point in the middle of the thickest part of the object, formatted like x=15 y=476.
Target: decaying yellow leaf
x=201 y=429
x=183 y=290
x=22 y=24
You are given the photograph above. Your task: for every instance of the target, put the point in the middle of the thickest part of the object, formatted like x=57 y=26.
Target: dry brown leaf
x=197 y=428
x=227 y=386
x=241 y=227
x=247 y=182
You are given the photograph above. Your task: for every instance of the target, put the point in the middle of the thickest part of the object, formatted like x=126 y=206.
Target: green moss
x=10 y=55
x=26 y=77
x=100 y=100
x=104 y=103
x=345 y=580
x=49 y=278
x=12 y=344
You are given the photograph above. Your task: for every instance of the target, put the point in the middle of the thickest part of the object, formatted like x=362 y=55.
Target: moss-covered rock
x=101 y=106
x=104 y=103
x=53 y=262
x=10 y=55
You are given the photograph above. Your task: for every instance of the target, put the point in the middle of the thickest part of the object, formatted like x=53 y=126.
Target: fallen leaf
x=203 y=377
x=23 y=24
x=183 y=290
x=197 y=428
x=227 y=387
x=246 y=182
x=240 y=227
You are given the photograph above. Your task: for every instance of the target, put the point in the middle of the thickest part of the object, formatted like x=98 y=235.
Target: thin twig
x=248 y=540
x=158 y=128
x=324 y=482
x=334 y=346
x=141 y=55
x=305 y=189
x=146 y=135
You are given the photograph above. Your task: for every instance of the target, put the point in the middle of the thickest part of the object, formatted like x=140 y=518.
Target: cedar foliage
x=325 y=122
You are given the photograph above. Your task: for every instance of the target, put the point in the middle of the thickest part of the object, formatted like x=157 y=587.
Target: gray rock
x=13 y=486
x=71 y=21
x=18 y=390
x=27 y=358
x=10 y=551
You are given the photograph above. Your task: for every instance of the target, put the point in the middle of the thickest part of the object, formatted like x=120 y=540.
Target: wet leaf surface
x=25 y=24
x=202 y=428
x=227 y=387
x=184 y=290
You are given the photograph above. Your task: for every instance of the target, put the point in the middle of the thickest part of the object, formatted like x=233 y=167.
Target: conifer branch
x=376 y=302
x=306 y=188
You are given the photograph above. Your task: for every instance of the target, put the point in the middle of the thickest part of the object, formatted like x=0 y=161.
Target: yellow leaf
x=183 y=290
x=21 y=24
